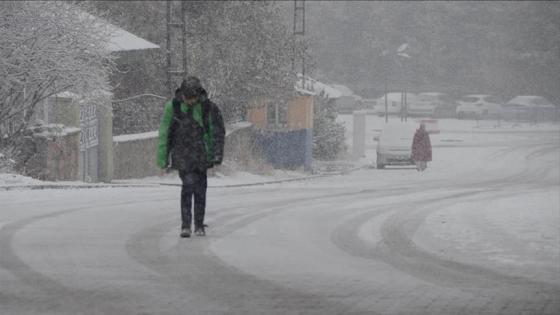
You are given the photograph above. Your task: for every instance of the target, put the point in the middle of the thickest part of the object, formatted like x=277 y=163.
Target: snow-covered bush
x=328 y=135
x=6 y=163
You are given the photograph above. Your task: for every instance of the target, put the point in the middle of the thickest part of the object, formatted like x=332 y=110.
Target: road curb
x=156 y=184
x=69 y=186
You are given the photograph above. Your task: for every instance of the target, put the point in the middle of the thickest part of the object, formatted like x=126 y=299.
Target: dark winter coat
x=191 y=137
x=421 y=146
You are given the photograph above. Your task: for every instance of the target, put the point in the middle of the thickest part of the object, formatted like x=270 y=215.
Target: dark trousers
x=194 y=185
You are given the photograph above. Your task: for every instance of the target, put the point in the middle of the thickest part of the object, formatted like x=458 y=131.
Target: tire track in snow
x=53 y=295
x=510 y=293
x=399 y=250
x=203 y=274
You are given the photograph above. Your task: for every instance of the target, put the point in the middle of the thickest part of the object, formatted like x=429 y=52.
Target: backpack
x=178 y=114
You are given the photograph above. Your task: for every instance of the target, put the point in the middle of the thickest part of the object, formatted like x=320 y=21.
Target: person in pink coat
x=421 y=148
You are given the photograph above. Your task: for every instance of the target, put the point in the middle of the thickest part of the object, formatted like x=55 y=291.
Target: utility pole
x=386 y=105
x=402 y=57
x=299 y=35
x=171 y=27
x=386 y=74
x=405 y=104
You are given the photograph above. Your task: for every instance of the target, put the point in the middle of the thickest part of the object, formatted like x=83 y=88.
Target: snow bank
x=136 y=136
x=220 y=180
x=520 y=231
x=9 y=181
x=18 y=180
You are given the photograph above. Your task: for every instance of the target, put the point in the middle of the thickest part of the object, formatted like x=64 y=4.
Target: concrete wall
x=66 y=109
x=62 y=157
x=239 y=145
x=135 y=156
x=50 y=152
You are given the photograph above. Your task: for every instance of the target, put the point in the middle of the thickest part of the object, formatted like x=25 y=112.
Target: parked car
x=348 y=103
x=369 y=104
x=529 y=107
x=394 y=103
x=394 y=145
x=432 y=104
x=479 y=106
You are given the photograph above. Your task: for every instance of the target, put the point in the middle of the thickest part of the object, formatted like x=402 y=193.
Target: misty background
x=501 y=48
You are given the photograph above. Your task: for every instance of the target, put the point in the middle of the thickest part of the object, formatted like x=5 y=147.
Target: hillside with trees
x=501 y=48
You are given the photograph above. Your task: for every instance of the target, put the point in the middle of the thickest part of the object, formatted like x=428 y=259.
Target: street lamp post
x=387 y=57
x=386 y=105
x=386 y=66
x=402 y=55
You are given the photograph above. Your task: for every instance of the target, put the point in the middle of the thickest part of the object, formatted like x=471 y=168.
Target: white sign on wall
x=89 y=126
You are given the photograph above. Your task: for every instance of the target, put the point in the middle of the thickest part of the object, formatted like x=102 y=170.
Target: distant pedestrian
x=191 y=140
x=421 y=148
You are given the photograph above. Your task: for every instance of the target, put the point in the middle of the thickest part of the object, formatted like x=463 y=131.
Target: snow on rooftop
x=344 y=90
x=121 y=40
x=314 y=87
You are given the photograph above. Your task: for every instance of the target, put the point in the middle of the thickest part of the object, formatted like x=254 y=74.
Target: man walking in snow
x=421 y=148
x=191 y=140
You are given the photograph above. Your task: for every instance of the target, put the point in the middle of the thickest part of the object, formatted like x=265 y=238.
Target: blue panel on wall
x=285 y=149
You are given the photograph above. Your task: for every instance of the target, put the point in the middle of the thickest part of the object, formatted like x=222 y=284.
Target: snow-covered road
x=477 y=233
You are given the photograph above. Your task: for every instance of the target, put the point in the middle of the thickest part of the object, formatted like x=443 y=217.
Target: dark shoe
x=185 y=233
x=199 y=231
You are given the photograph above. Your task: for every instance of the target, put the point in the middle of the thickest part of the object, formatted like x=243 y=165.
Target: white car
x=529 y=107
x=426 y=103
x=394 y=103
x=394 y=145
x=479 y=106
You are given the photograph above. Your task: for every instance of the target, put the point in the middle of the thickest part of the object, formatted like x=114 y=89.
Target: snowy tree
x=328 y=134
x=245 y=51
x=47 y=48
x=241 y=50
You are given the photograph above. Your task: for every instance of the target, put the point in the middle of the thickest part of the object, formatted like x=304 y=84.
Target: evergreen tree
x=328 y=134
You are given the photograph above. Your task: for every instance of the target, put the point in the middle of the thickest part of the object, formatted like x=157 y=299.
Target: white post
x=359 y=134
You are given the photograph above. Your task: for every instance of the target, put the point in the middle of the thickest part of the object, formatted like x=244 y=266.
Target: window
x=540 y=101
x=469 y=99
x=493 y=99
x=428 y=98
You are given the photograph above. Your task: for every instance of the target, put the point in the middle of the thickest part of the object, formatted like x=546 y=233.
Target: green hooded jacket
x=212 y=137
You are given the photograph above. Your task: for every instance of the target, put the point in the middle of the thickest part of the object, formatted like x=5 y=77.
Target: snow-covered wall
x=50 y=152
x=135 y=155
